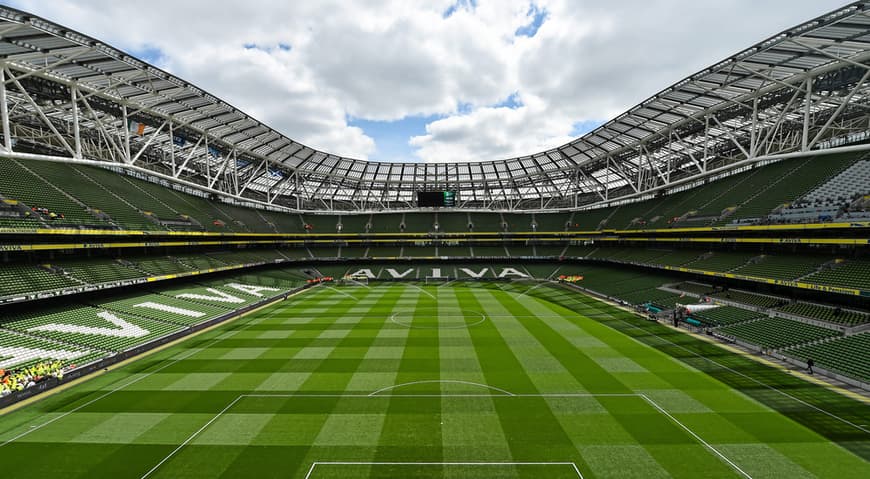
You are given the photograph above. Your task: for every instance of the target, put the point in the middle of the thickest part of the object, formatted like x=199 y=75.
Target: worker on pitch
x=810 y=364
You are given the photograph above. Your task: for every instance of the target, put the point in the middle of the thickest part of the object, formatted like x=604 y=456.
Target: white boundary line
x=443 y=381
x=705 y=443
x=505 y=394
x=421 y=289
x=192 y=436
x=756 y=381
x=483 y=317
x=130 y=383
x=353 y=463
x=342 y=292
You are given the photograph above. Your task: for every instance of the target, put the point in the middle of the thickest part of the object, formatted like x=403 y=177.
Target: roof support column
x=172 y=149
x=808 y=98
x=126 y=127
x=4 y=110
x=74 y=92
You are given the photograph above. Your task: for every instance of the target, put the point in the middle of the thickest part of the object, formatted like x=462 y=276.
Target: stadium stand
x=847 y=356
x=547 y=250
x=825 y=313
x=38 y=347
x=453 y=222
x=486 y=222
x=781 y=267
x=352 y=252
x=849 y=274
x=76 y=183
x=777 y=333
x=386 y=223
x=19 y=279
x=551 y=221
x=521 y=222
x=749 y=298
x=720 y=261
x=832 y=198
x=88 y=327
x=45 y=200
x=724 y=316
x=489 y=251
x=354 y=223
x=96 y=271
x=454 y=251
x=320 y=223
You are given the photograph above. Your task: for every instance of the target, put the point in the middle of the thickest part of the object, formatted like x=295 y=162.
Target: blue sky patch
x=585 y=126
x=459 y=5
x=392 y=137
x=539 y=16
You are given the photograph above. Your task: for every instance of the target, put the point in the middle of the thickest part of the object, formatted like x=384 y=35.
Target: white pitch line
x=342 y=292
x=483 y=318
x=421 y=289
x=529 y=290
x=442 y=381
x=829 y=414
x=180 y=446
x=697 y=437
x=506 y=394
x=130 y=383
x=484 y=464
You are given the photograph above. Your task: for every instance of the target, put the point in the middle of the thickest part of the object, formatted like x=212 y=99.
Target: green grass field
x=461 y=381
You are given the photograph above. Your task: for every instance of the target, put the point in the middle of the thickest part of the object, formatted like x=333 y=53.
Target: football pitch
x=463 y=380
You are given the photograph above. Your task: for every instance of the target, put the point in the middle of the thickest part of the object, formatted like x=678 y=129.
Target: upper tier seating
x=832 y=197
x=797 y=177
x=19 y=183
x=321 y=223
x=75 y=182
x=354 y=223
x=453 y=222
x=419 y=222
x=486 y=222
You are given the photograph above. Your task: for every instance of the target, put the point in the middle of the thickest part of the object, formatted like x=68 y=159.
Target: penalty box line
x=642 y=396
x=473 y=464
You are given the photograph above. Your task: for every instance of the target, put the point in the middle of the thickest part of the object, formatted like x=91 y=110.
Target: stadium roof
x=73 y=96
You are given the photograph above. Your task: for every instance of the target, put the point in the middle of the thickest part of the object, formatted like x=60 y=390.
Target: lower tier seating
x=847 y=356
x=776 y=333
x=824 y=313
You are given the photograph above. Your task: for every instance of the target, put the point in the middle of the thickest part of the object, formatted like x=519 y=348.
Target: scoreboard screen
x=436 y=199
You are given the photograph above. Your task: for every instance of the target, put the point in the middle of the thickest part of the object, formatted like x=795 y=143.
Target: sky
x=431 y=80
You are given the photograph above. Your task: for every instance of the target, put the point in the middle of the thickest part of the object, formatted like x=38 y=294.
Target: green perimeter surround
x=273 y=393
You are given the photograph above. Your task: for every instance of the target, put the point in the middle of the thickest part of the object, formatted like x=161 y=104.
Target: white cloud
x=391 y=59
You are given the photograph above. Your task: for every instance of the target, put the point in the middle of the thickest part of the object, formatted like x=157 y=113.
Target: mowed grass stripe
x=471 y=430
x=329 y=428
x=411 y=430
x=757 y=438
x=111 y=459
x=606 y=447
x=664 y=440
x=531 y=428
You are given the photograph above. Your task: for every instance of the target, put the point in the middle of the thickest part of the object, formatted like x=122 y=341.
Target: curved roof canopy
x=73 y=96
